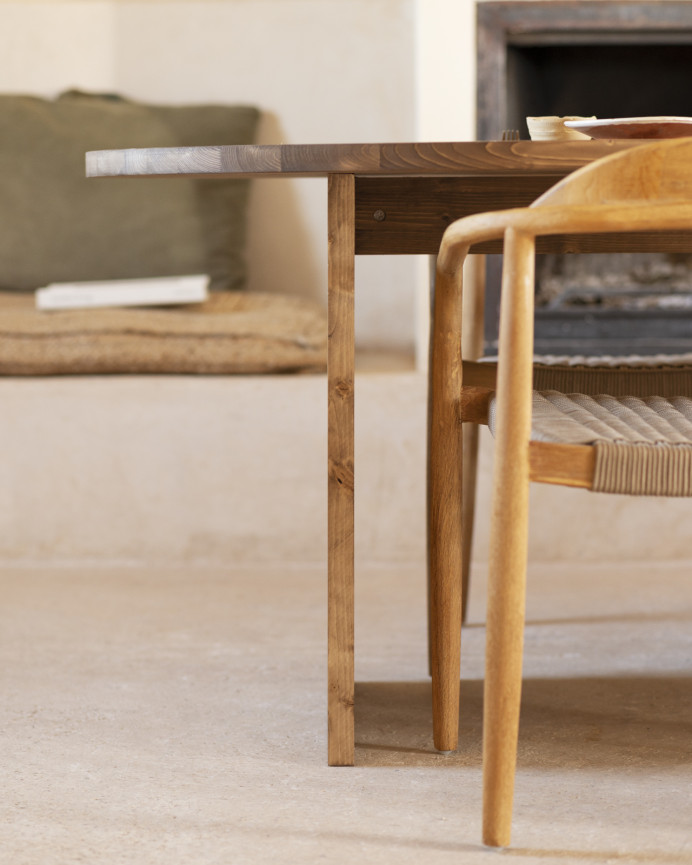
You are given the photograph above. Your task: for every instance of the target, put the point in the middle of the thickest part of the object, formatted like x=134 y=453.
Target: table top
x=469 y=158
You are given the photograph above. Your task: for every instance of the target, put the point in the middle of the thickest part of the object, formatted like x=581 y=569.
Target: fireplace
x=609 y=59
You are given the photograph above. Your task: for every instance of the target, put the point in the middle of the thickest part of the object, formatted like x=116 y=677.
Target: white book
x=164 y=290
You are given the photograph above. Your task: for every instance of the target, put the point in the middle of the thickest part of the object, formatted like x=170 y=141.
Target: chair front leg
x=509 y=540
x=504 y=651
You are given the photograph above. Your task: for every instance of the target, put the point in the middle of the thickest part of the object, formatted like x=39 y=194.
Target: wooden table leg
x=445 y=467
x=340 y=377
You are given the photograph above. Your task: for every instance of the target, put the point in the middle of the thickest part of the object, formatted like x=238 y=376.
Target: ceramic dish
x=554 y=128
x=634 y=127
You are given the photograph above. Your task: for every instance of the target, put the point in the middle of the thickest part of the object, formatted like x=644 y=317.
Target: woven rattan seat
x=638 y=375
x=643 y=446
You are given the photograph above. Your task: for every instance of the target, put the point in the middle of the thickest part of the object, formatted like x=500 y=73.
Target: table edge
x=320 y=160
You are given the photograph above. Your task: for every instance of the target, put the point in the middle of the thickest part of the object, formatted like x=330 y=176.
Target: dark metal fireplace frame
x=505 y=28
x=536 y=22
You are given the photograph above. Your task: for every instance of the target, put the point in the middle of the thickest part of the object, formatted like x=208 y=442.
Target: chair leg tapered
x=446 y=655
x=504 y=643
x=508 y=541
x=502 y=697
x=468 y=507
x=445 y=589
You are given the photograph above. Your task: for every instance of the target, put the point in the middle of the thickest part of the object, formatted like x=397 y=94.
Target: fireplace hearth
x=609 y=59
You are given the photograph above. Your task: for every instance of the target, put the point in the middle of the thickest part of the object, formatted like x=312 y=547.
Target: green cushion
x=57 y=226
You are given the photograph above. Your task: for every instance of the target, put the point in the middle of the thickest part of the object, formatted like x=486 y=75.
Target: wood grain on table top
x=318 y=160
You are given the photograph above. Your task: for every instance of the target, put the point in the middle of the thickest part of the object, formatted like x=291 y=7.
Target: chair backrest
x=660 y=171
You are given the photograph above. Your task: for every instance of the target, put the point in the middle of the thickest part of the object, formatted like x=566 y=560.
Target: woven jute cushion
x=232 y=332
x=643 y=445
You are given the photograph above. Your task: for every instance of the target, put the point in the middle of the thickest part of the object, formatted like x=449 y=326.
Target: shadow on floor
x=588 y=722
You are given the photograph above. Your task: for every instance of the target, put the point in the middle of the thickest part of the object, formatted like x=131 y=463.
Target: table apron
x=408 y=215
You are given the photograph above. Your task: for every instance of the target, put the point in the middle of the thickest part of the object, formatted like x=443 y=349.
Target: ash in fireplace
x=629 y=281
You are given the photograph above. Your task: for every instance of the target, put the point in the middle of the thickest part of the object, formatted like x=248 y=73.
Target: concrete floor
x=178 y=716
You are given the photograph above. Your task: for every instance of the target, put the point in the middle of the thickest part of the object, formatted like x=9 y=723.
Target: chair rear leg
x=473 y=342
x=445 y=558
x=468 y=507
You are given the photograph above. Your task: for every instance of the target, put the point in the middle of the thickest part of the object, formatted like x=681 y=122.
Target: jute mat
x=232 y=332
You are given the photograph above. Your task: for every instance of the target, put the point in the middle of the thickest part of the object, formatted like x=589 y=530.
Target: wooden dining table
x=384 y=199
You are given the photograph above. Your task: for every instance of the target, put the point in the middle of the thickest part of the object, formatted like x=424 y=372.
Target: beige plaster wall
x=211 y=470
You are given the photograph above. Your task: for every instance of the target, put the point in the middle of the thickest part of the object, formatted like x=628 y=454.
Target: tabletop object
x=633 y=127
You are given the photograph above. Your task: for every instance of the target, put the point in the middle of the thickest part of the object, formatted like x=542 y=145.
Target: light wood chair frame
x=620 y=194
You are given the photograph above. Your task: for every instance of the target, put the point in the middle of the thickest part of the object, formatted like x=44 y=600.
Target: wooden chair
x=619 y=376
x=641 y=446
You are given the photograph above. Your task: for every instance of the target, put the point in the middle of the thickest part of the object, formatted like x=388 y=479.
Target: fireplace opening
x=608 y=59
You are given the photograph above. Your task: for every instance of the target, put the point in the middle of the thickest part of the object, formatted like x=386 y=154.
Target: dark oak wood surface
x=469 y=158
x=408 y=215
x=406 y=194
